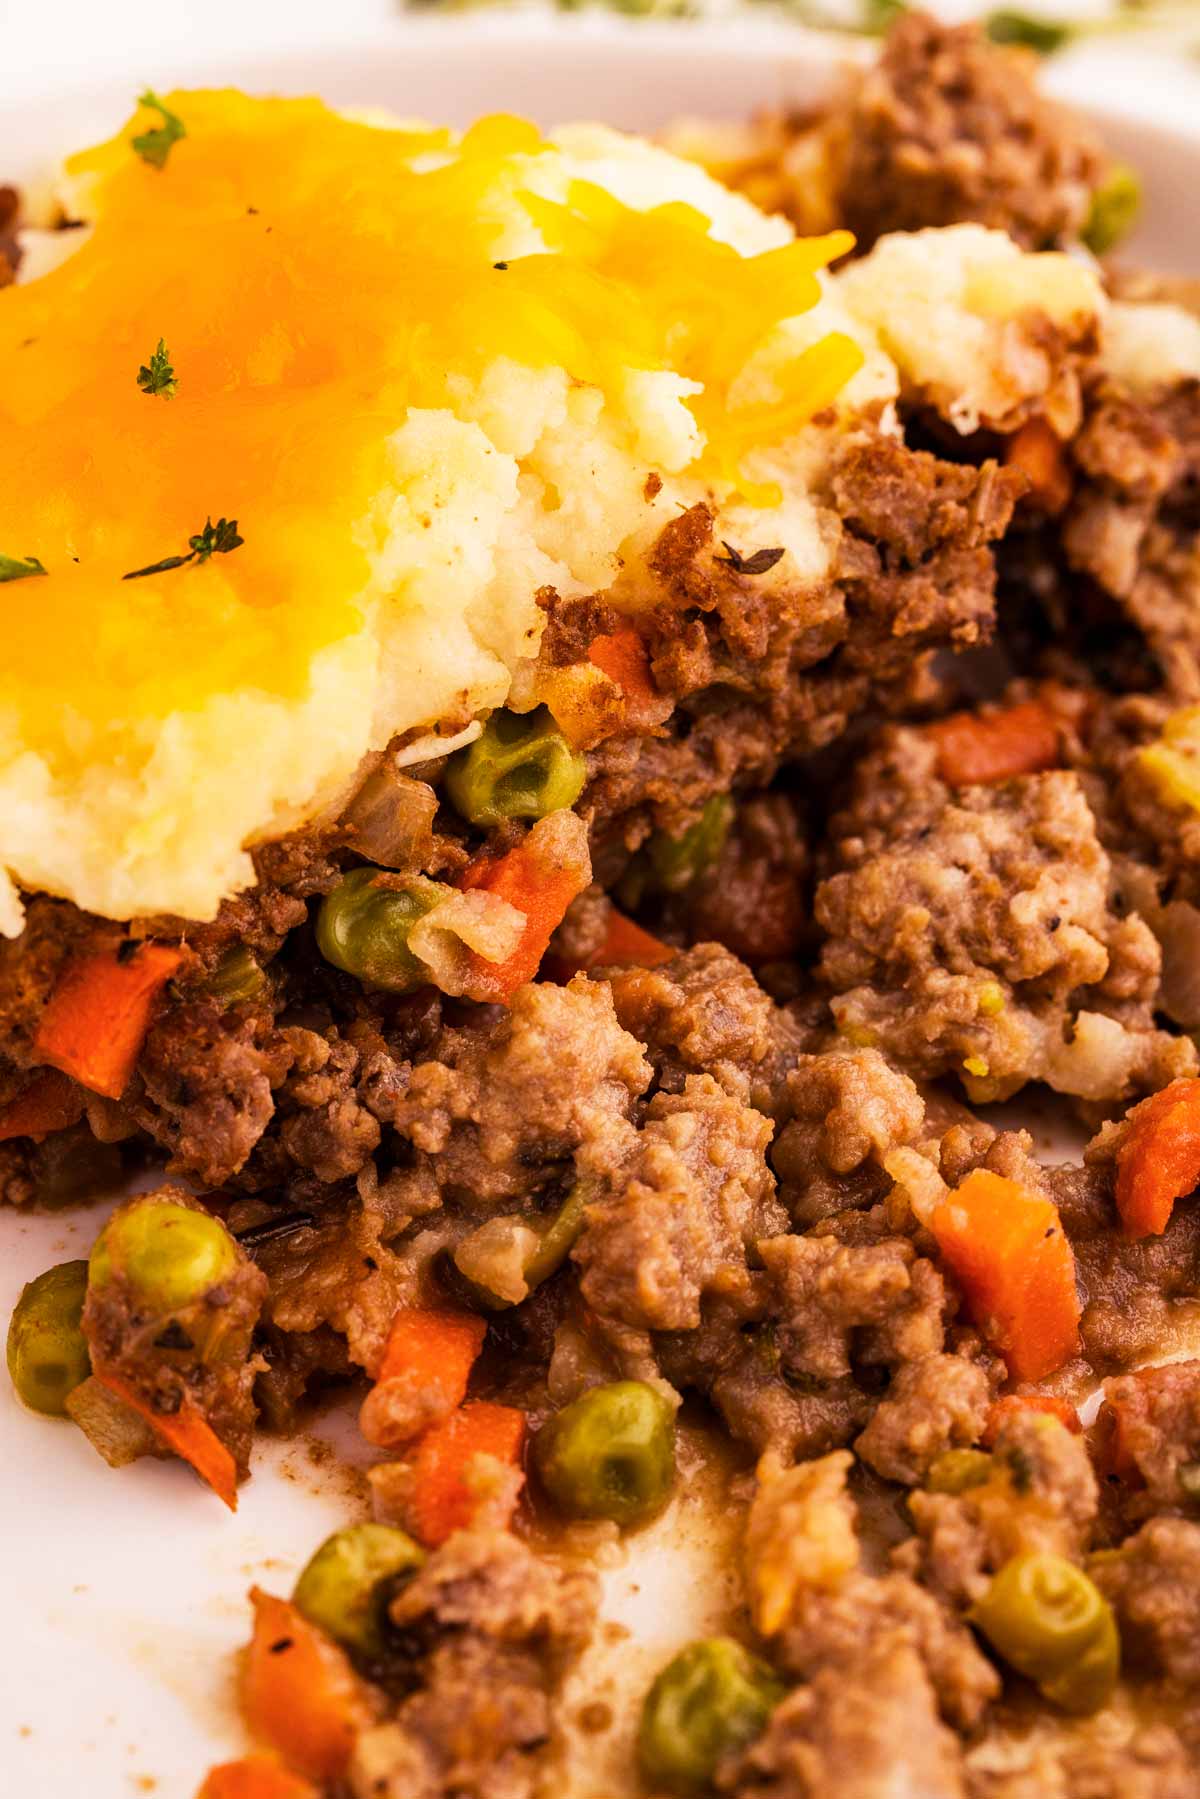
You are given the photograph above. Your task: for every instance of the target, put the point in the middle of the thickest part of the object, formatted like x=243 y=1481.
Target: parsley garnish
x=757 y=564
x=214 y=540
x=155 y=146
x=157 y=376
x=16 y=568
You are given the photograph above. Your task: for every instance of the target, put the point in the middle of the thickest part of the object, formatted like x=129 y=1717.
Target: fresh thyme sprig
x=214 y=540
x=157 y=376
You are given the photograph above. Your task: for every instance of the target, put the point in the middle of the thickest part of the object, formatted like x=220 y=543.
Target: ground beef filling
x=736 y=1134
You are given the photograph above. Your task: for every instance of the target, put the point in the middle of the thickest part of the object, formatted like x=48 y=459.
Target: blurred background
x=1147 y=51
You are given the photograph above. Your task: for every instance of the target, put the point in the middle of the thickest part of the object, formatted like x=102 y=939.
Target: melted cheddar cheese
x=398 y=356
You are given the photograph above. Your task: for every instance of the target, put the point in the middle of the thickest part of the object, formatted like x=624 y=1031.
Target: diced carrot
x=626 y=945
x=442 y=1501
x=1159 y=1161
x=1013 y=1404
x=978 y=748
x=423 y=1373
x=49 y=1103
x=255 y=1777
x=1007 y=1249
x=438 y=1345
x=621 y=655
x=1036 y=449
x=539 y=888
x=188 y=1433
x=97 y=1017
x=299 y=1692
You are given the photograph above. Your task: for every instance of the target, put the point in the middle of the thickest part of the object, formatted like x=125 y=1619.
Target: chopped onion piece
x=424 y=749
x=392 y=817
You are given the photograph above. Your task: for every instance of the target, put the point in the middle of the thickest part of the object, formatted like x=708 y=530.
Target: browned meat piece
x=489 y=1629
x=943 y=128
x=1153 y=1583
x=862 y=1733
x=946 y=128
x=810 y=1595
x=1132 y=525
x=10 y=250
x=838 y=1305
x=504 y=1104
x=293 y=1365
x=936 y=1403
x=838 y=1627
x=324 y=1124
x=202 y=1356
x=840 y=1114
x=970 y=932
x=69 y=1167
x=915 y=561
x=704 y=1012
x=1149 y=1431
x=1041 y=1496
x=682 y=1212
x=1151 y=1763
x=336 y=1271
x=760 y=670
x=208 y=1077
x=1135 y=1293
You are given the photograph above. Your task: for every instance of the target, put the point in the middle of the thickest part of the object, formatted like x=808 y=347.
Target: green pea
x=1115 y=207
x=713 y=1698
x=520 y=767
x=955 y=1470
x=170 y=1254
x=47 y=1350
x=676 y=861
x=237 y=980
x=1052 y=1624
x=364 y=924
x=345 y=1587
x=610 y=1453
x=671 y=864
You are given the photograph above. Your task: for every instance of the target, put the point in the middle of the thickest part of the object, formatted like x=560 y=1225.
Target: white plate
x=125 y=1592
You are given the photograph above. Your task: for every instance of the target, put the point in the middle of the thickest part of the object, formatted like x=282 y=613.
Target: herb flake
x=157 y=376
x=756 y=564
x=18 y=568
x=214 y=540
x=154 y=146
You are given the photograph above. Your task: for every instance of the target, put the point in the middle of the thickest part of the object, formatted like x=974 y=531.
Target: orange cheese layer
x=312 y=279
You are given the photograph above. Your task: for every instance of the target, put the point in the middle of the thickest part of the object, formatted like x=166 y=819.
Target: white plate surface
x=125 y=1592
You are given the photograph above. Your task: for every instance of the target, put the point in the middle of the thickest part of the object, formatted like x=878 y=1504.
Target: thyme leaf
x=756 y=564
x=17 y=568
x=154 y=146
x=214 y=540
x=157 y=376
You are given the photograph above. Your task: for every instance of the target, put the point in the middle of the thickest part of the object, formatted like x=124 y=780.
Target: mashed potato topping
x=426 y=375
